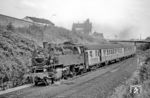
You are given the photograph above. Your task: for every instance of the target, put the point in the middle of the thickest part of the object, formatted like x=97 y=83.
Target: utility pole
x=116 y=37
x=140 y=36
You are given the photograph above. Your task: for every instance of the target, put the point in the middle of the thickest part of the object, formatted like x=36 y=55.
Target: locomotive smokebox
x=39 y=60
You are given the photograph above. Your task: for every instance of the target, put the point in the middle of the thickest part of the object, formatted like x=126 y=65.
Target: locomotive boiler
x=57 y=61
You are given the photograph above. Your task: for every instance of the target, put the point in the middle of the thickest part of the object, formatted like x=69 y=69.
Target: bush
x=2 y=27
x=145 y=46
x=144 y=71
x=10 y=27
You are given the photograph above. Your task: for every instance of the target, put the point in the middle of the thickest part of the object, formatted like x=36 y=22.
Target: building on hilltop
x=40 y=21
x=25 y=22
x=5 y=20
x=85 y=27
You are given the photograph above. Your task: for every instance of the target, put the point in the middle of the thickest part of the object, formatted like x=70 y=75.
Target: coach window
x=114 y=50
x=107 y=52
x=91 y=53
x=104 y=52
x=121 y=50
x=96 y=53
x=118 y=50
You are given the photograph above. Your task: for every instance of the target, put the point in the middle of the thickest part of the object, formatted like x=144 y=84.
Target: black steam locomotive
x=54 y=62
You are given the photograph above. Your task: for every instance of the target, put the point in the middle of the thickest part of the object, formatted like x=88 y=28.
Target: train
x=61 y=61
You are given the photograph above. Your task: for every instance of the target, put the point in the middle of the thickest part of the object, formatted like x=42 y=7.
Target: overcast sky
x=121 y=18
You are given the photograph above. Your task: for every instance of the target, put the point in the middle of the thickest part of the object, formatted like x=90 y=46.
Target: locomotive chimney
x=45 y=45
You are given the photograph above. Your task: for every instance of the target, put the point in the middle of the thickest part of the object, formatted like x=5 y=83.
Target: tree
x=148 y=39
x=146 y=45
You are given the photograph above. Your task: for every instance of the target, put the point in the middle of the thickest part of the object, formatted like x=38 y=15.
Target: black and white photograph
x=74 y=48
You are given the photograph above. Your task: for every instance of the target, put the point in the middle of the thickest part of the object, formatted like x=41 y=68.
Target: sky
x=116 y=19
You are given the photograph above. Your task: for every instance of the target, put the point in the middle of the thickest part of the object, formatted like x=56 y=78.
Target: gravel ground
x=102 y=86
x=97 y=84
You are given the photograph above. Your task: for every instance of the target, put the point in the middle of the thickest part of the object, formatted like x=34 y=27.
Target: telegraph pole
x=140 y=36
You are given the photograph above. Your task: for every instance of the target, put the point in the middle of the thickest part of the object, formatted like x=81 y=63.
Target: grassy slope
x=15 y=55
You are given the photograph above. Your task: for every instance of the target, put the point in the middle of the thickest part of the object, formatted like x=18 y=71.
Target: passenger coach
x=96 y=55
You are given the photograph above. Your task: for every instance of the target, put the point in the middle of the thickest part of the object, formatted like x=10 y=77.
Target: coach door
x=86 y=59
x=100 y=56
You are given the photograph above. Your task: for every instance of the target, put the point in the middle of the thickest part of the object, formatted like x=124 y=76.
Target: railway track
x=68 y=84
x=109 y=65
x=86 y=85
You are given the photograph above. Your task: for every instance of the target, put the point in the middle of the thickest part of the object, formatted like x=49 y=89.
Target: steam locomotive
x=54 y=62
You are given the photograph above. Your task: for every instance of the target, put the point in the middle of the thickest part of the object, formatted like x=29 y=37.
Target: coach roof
x=105 y=46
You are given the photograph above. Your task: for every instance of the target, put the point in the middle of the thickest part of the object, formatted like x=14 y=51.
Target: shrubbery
x=144 y=47
x=15 y=54
x=144 y=71
x=10 y=27
x=142 y=77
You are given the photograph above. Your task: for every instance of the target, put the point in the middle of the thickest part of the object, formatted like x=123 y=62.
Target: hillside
x=56 y=34
x=15 y=55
